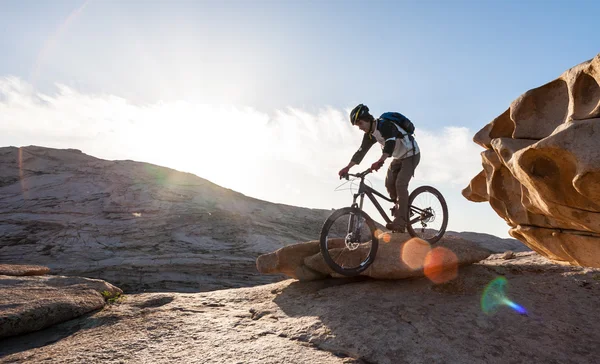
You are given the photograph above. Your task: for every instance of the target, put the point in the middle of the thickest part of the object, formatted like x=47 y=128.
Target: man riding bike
x=397 y=143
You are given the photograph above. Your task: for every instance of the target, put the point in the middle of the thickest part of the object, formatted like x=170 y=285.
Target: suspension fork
x=361 y=194
x=355 y=230
x=362 y=198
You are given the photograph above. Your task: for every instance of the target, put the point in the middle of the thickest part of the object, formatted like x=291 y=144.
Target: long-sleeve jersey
x=395 y=141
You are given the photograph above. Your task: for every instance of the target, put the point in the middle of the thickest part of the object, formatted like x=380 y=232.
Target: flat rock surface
x=358 y=320
x=23 y=270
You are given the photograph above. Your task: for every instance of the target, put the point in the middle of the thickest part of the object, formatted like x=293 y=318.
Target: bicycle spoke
x=337 y=258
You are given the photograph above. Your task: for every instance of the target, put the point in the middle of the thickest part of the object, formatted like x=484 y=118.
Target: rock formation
x=23 y=270
x=30 y=302
x=137 y=225
x=399 y=256
x=357 y=320
x=142 y=226
x=541 y=167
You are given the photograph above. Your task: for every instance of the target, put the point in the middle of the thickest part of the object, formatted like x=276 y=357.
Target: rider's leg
x=390 y=177
x=403 y=178
x=395 y=169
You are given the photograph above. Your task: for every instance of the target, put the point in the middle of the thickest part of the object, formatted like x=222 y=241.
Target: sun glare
x=196 y=137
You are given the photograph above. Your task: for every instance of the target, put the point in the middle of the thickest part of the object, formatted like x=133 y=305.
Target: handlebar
x=357 y=175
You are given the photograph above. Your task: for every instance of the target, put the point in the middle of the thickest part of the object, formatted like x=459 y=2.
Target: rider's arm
x=366 y=144
x=350 y=165
x=384 y=156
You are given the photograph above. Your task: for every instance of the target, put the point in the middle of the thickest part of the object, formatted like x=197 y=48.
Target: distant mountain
x=142 y=226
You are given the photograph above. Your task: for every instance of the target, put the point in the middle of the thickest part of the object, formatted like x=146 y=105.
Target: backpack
x=400 y=120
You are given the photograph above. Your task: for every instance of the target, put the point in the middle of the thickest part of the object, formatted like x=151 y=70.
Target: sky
x=255 y=95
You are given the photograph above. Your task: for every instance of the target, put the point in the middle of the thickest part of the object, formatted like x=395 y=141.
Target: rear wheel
x=348 y=241
x=428 y=214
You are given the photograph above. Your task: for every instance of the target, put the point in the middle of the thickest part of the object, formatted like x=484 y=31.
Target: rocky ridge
x=137 y=225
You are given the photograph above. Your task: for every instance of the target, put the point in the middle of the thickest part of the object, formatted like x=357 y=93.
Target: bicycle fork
x=362 y=198
x=353 y=236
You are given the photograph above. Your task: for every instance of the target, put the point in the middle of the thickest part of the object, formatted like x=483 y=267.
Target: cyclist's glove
x=375 y=166
x=343 y=172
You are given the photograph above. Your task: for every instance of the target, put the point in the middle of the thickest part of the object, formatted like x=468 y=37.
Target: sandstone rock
x=140 y=226
x=490 y=242
x=508 y=255
x=400 y=257
x=541 y=167
x=289 y=260
x=343 y=321
x=23 y=270
x=33 y=303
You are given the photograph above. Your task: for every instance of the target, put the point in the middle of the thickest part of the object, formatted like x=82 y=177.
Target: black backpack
x=400 y=120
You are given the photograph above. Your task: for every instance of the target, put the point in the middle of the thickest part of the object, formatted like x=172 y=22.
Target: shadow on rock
x=416 y=321
x=37 y=339
x=156 y=302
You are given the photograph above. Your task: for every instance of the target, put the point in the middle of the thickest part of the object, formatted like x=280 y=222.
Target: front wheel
x=348 y=241
x=428 y=214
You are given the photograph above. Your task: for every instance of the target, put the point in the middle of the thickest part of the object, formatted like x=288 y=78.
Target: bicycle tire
x=369 y=257
x=438 y=233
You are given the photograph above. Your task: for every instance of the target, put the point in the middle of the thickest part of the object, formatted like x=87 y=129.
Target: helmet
x=359 y=112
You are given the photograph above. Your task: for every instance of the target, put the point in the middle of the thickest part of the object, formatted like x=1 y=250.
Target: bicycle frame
x=363 y=190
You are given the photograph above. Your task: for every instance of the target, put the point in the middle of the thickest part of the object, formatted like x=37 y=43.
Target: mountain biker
x=396 y=143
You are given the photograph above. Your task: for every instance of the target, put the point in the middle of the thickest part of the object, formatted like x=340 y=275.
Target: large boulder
x=541 y=167
x=399 y=256
x=30 y=303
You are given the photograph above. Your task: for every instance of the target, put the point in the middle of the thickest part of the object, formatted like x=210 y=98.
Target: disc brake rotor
x=350 y=244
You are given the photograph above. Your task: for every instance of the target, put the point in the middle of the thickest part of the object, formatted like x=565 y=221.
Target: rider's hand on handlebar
x=375 y=166
x=344 y=172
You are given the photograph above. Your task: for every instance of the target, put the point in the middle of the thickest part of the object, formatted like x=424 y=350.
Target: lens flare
x=441 y=265
x=160 y=175
x=24 y=190
x=50 y=44
x=494 y=296
x=386 y=237
x=414 y=252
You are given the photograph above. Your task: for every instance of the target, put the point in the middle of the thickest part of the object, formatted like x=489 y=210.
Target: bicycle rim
x=348 y=241
x=428 y=214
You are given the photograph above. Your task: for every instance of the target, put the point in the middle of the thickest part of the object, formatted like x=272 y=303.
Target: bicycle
x=350 y=229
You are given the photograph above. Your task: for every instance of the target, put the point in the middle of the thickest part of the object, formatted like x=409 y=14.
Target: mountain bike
x=350 y=238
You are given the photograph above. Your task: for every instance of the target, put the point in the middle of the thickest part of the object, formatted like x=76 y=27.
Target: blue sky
x=450 y=66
